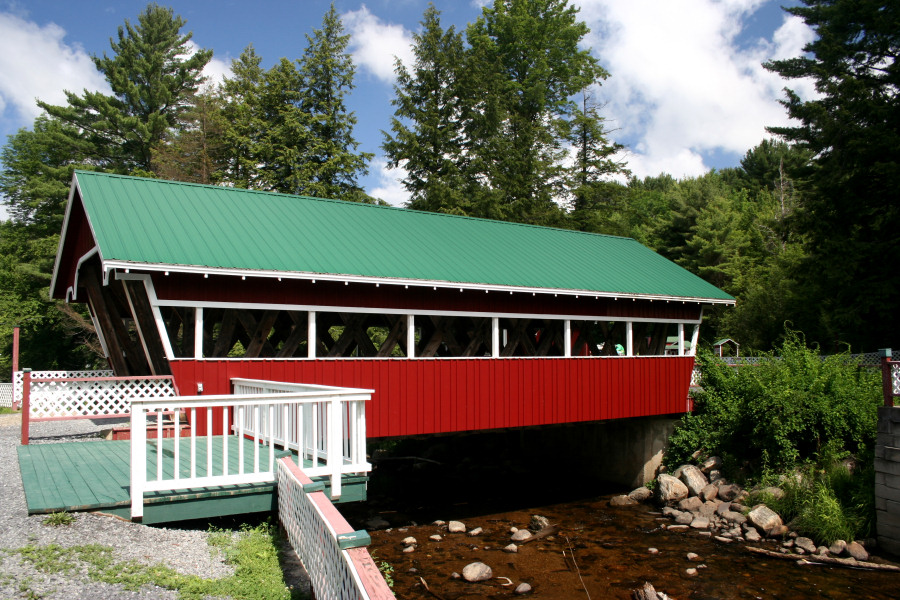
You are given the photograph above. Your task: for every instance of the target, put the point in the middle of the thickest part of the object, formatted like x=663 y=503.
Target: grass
x=5 y=410
x=59 y=519
x=253 y=551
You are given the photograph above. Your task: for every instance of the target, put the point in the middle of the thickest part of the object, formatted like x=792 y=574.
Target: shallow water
x=480 y=482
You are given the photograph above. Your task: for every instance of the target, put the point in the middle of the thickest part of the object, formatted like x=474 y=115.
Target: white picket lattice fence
x=321 y=536
x=6 y=395
x=19 y=375
x=92 y=397
x=895 y=378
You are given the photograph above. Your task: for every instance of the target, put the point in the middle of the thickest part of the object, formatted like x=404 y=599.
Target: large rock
x=708 y=493
x=670 y=490
x=521 y=535
x=690 y=504
x=538 y=522
x=856 y=550
x=765 y=519
x=641 y=494
x=477 y=571
x=456 y=527
x=806 y=544
x=729 y=491
x=693 y=478
x=711 y=463
x=838 y=547
x=622 y=500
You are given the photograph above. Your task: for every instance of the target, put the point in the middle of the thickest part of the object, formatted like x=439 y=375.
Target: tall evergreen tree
x=196 y=149
x=526 y=57
x=851 y=204
x=427 y=134
x=153 y=77
x=246 y=120
x=331 y=165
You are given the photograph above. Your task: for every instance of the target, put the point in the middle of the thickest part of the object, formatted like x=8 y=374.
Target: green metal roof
x=172 y=224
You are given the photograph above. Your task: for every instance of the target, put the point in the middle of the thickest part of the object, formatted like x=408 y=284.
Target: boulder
x=670 y=490
x=707 y=509
x=522 y=588
x=435 y=538
x=710 y=464
x=512 y=548
x=806 y=544
x=684 y=518
x=693 y=556
x=521 y=535
x=729 y=491
x=775 y=492
x=409 y=541
x=622 y=500
x=856 y=550
x=477 y=571
x=838 y=547
x=714 y=475
x=476 y=531
x=700 y=523
x=456 y=527
x=709 y=492
x=690 y=504
x=641 y=494
x=765 y=519
x=538 y=522
x=693 y=478
x=752 y=535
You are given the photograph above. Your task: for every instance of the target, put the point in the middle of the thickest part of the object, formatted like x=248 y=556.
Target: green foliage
x=252 y=550
x=387 y=570
x=782 y=412
x=59 y=519
x=852 y=131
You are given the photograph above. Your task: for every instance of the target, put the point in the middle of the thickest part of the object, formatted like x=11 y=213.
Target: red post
x=15 y=363
x=26 y=404
x=886 y=384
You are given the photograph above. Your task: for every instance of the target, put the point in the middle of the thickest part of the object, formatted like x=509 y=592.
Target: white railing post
x=334 y=441
x=138 y=461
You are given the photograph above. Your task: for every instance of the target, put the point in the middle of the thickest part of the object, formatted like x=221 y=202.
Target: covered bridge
x=456 y=323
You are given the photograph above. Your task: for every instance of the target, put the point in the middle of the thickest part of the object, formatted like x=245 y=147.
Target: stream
x=598 y=551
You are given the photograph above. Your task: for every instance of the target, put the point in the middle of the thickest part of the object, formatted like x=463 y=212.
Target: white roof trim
x=267 y=274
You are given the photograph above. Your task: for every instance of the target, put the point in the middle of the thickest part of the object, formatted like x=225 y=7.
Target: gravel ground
x=183 y=550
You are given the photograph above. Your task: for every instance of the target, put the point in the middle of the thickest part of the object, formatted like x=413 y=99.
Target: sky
x=686 y=92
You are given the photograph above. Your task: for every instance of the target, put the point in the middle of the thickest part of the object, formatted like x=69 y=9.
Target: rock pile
x=697 y=498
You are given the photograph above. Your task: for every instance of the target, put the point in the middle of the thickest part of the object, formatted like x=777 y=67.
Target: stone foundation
x=887 y=479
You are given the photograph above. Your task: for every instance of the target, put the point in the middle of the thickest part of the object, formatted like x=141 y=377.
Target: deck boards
x=96 y=475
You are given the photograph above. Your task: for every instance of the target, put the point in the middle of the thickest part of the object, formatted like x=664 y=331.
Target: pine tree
x=850 y=209
x=428 y=135
x=530 y=64
x=153 y=76
x=196 y=150
x=246 y=123
x=331 y=164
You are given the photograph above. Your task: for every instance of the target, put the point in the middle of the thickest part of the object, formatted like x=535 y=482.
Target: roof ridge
x=345 y=202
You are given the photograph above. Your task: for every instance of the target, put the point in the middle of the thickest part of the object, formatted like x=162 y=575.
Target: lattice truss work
x=92 y=397
x=6 y=395
x=315 y=541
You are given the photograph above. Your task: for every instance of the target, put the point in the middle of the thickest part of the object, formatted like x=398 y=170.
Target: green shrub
x=788 y=409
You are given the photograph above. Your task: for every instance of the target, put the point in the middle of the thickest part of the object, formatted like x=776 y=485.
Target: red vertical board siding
x=423 y=396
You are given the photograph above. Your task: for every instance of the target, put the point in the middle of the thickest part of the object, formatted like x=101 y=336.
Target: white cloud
x=389 y=187
x=681 y=85
x=375 y=45
x=35 y=62
x=215 y=71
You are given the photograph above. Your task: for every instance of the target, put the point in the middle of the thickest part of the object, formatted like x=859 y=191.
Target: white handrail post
x=335 y=443
x=138 y=460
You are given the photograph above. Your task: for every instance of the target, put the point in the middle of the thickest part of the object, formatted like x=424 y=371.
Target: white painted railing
x=333 y=554
x=177 y=460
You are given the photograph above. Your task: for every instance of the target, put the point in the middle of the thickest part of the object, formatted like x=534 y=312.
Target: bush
x=789 y=409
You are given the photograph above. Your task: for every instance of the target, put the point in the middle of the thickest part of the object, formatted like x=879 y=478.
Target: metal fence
x=333 y=554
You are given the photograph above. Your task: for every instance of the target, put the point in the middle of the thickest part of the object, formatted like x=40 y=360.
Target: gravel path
x=185 y=551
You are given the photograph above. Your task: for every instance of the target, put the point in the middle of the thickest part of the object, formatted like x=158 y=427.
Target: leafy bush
x=792 y=407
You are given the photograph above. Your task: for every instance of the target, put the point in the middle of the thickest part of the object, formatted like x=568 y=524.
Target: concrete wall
x=887 y=479
x=626 y=452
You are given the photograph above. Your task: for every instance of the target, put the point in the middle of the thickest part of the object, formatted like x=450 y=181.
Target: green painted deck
x=96 y=476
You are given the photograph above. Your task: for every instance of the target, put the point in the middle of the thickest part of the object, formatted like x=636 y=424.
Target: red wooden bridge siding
x=424 y=396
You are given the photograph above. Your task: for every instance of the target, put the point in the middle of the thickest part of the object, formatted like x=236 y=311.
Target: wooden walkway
x=96 y=475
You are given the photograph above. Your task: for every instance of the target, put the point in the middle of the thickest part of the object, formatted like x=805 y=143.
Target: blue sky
x=687 y=91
